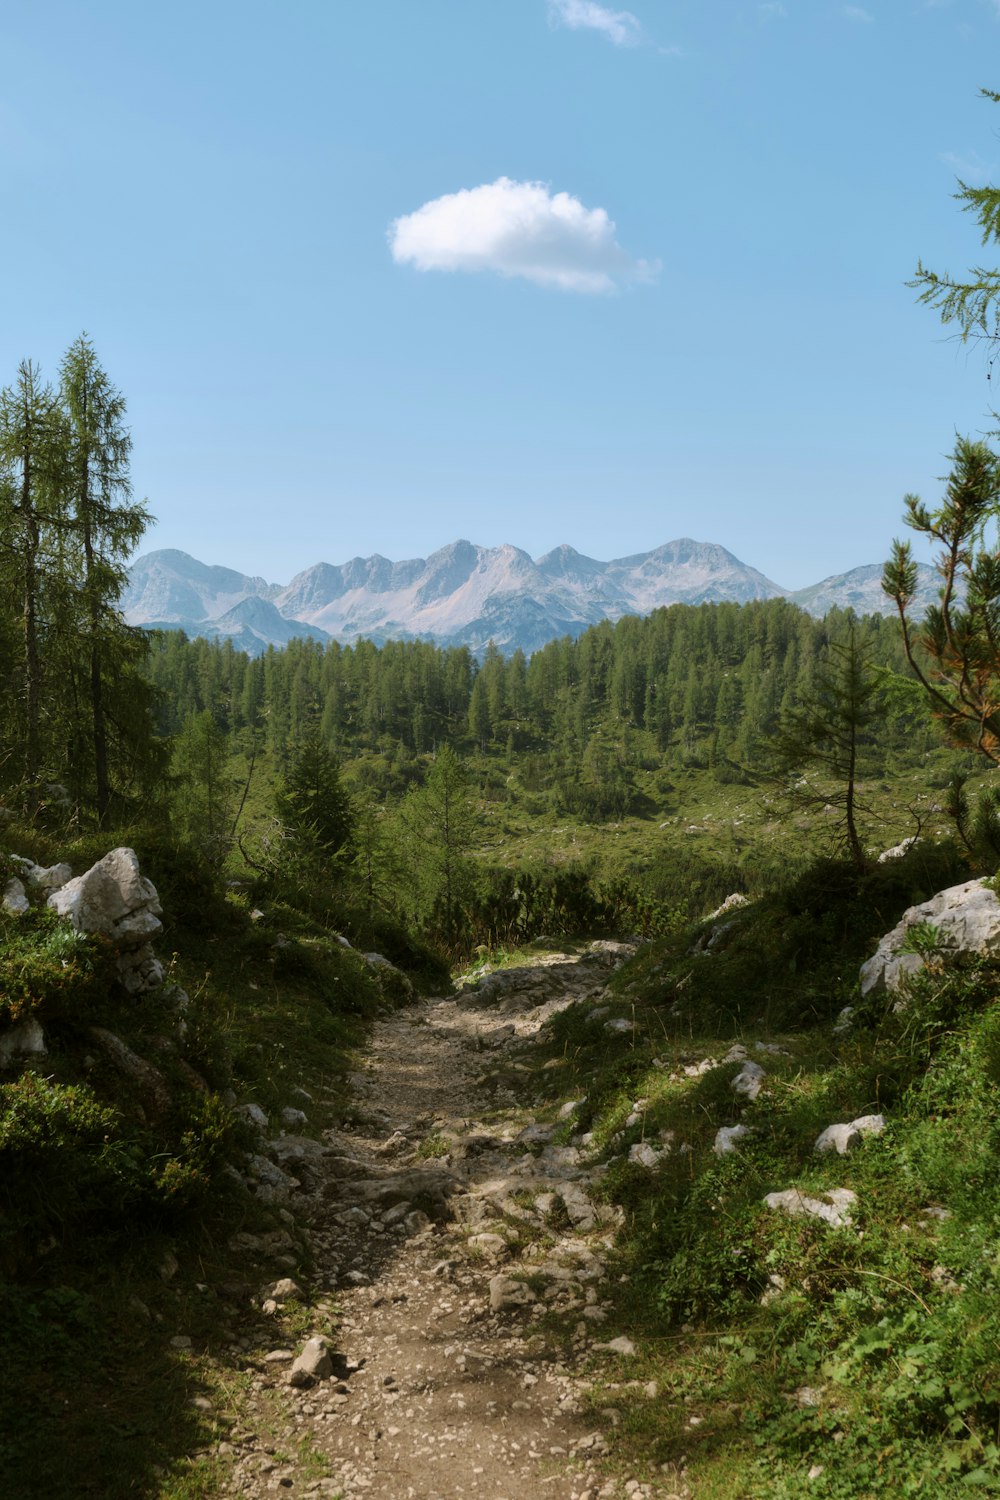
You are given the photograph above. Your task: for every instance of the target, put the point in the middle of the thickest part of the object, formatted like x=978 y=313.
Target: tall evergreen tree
x=829 y=729
x=108 y=524
x=313 y=803
x=31 y=457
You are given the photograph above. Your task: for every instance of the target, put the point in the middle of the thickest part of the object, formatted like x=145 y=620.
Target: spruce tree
x=828 y=731
x=313 y=803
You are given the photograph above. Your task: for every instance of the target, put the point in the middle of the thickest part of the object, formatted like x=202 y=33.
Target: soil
x=459 y=1280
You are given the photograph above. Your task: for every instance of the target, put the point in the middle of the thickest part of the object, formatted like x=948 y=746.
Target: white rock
x=898 y=850
x=619 y=1026
x=313 y=1364
x=50 y=878
x=748 y=1080
x=111 y=893
x=731 y=903
x=293 y=1119
x=839 y=1138
x=570 y=1108
x=505 y=1292
x=832 y=1207
x=727 y=1138
x=493 y=1246
x=15 y=902
x=645 y=1155
x=115 y=899
x=578 y=1206
x=285 y=1289
x=967 y=918
x=844 y=1019
x=620 y=1345
x=254 y=1115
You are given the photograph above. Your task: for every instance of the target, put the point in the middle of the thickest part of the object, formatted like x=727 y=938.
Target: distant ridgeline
x=465 y=595
x=703 y=683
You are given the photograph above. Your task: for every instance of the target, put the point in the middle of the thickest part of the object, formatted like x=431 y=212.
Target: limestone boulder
x=14 y=900
x=967 y=921
x=115 y=899
x=833 y=1208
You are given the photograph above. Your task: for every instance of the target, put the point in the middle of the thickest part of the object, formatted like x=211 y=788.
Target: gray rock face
x=967 y=919
x=115 y=899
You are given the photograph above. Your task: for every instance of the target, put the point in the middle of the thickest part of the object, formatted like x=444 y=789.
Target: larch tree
x=31 y=458
x=107 y=525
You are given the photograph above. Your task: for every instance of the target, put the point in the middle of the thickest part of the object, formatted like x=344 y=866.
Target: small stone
x=285 y=1290
x=493 y=1246
x=505 y=1293
x=15 y=903
x=313 y=1364
x=727 y=1138
x=749 y=1080
x=644 y=1155
x=570 y=1108
x=254 y=1115
x=839 y=1138
x=620 y=1345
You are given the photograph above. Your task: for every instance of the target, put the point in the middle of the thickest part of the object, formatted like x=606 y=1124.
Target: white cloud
x=517 y=229
x=857 y=13
x=619 y=26
x=771 y=10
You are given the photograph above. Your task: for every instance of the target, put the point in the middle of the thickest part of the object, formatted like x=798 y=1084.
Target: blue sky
x=376 y=276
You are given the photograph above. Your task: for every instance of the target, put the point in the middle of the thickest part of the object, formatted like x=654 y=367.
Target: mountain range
x=467 y=595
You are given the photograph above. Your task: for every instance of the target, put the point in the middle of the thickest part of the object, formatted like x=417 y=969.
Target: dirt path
x=446 y=1225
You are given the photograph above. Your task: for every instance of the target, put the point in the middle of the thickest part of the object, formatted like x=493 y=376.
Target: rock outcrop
x=962 y=922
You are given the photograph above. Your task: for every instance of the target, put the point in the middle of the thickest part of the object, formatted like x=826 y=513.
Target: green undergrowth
x=122 y=1224
x=789 y=1356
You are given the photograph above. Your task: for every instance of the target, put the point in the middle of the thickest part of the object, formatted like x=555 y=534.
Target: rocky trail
x=420 y=1363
